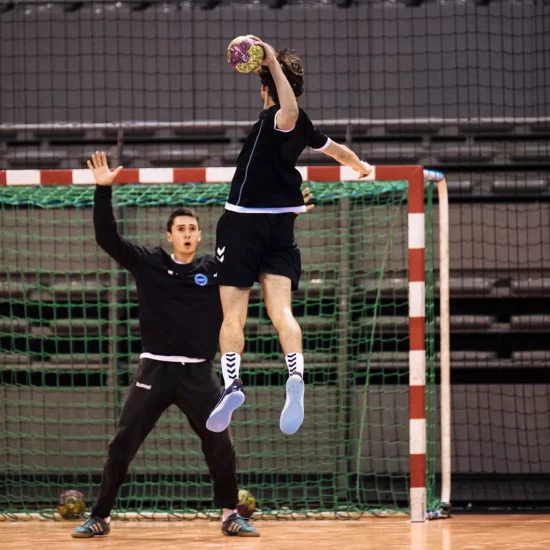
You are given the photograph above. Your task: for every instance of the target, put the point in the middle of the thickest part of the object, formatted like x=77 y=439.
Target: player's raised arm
x=344 y=155
x=288 y=114
x=106 y=233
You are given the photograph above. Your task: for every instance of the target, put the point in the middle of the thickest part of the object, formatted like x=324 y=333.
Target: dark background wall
x=105 y=62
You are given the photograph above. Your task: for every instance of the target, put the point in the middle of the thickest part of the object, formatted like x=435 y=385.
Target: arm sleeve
x=106 y=234
x=317 y=140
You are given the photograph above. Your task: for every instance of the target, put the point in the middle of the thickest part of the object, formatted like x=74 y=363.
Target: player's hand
x=100 y=169
x=307 y=197
x=366 y=169
x=270 y=58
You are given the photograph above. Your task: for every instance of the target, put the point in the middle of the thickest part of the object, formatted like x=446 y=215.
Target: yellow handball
x=244 y=55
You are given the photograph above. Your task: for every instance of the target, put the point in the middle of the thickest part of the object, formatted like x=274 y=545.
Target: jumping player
x=255 y=235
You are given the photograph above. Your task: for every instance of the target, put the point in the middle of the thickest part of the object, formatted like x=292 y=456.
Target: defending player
x=180 y=318
x=255 y=236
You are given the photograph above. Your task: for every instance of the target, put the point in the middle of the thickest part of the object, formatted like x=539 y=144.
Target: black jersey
x=179 y=304
x=266 y=178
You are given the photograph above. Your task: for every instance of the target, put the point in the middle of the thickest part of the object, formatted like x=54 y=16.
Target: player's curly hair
x=293 y=69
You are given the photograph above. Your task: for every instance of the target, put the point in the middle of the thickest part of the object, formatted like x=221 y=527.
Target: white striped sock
x=295 y=363
x=231 y=363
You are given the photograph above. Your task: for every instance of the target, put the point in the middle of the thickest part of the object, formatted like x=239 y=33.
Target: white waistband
x=171 y=358
x=276 y=210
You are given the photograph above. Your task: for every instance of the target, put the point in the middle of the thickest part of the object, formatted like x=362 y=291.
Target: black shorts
x=248 y=245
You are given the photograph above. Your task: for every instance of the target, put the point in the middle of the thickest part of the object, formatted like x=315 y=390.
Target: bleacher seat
x=13 y=325
x=59 y=131
x=71 y=327
x=464 y=153
x=14 y=360
x=414 y=126
x=531 y=286
x=28 y=158
x=470 y=322
x=537 y=152
x=530 y=322
x=176 y=156
x=398 y=154
x=469 y=285
x=77 y=361
x=520 y=186
x=470 y=359
x=531 y=358
x=459 y=187
x=486 y=126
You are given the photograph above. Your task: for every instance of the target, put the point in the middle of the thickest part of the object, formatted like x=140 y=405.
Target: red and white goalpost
x=416 y=176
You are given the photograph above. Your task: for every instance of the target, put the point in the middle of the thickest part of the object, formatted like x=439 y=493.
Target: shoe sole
x=221 y=415
x=239 y=534
x=293 y=412
x=87 y=536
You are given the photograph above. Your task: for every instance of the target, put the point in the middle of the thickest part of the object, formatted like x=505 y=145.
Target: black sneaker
x=232 y=398
x=237 y=526
x=92 y=527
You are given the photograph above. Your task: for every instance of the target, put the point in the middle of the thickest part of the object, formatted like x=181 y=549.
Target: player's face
x=185 y=235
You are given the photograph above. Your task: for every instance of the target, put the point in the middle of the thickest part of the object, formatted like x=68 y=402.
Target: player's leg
x=238 y=254
x=148 y=397
x=280 y=274
x=197 y=391
x=277 y=297
x=235 y=307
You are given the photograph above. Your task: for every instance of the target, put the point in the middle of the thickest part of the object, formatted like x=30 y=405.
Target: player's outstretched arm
x=106 y=233
x=288 y=114
x=344 y=155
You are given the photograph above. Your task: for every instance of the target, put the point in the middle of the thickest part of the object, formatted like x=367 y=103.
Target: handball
x=246 y=505
x=71 y=505
x=244 y=55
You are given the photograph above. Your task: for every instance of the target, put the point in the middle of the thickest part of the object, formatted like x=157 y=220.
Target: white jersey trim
x=277 y=210
x=279 y=129
x=329 y=141
x=171 y=358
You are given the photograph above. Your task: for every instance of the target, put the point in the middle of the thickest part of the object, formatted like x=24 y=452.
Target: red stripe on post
x=417 y=273
x=417 y=402
x=416 y=191
x=3 y=179
x=417 y=334
x=56 y=177
x=323 y=173
x=414 y=174
x=189 y=175
x=418 y=471
x=128 y=175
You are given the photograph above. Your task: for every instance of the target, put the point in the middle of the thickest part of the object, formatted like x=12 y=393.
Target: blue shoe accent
x=293 y=413
x=237 y=526
x=92 y=527
x=232 y=398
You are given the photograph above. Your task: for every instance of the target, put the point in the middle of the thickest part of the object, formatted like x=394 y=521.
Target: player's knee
x=233 y=324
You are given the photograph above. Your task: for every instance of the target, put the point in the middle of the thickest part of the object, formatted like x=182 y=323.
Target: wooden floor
x=459 y=533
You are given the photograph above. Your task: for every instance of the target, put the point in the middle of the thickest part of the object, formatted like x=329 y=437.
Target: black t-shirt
x=266 y=175
x=180 y=311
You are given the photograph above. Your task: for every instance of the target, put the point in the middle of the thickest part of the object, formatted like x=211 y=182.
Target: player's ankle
x=227 y=513
x=295 y=363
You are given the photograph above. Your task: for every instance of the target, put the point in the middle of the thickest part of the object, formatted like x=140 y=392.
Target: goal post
x=353 y=345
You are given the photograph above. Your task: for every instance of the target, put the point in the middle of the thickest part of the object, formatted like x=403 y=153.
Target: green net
x=69 y=340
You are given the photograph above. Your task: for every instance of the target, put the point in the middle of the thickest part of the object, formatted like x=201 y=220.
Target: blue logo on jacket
x=201 y=279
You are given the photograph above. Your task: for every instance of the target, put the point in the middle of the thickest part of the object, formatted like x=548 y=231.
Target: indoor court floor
x=483 y=532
